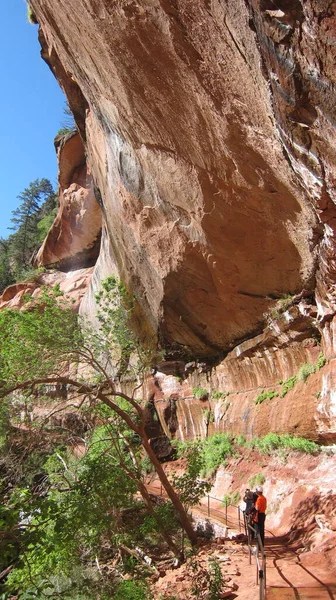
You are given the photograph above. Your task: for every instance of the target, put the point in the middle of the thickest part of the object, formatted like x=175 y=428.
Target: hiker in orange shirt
x=260 y=506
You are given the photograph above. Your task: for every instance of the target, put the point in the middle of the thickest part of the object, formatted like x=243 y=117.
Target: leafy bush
x=257 y=479
x=131 y=590
x=199 y=392
x=302 y=375
x=287 y=385
x=64 y=131
x=305 y=370
x=321 y=361
x=273 y=441
x=216 y=450
x=217 y=395
x=231 y=499
x=212 y=451
x=209 y=417
x=30 y=275
x=215 y=580
x=31 y=16
x=265 y=396
x=239 y=440
x=44 y=225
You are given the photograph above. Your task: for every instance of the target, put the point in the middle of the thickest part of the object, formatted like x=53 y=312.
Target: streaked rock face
x=207 y=217
x=209 y=132
x=74 y=239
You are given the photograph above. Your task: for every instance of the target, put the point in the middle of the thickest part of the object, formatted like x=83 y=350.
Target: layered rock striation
x=208 y=130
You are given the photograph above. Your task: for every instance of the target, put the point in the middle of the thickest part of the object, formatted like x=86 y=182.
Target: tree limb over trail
x=46 y=344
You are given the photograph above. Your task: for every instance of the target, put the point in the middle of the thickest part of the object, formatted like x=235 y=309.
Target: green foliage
x=216 y=450
x=49 y=329
x=131 y=590
x=4 y=421
x=31 y=17
x=44 y=225
x=258 y=479
x=239 y=440
x=273 y=441
x=30 y=275
x=115 y=309
x=63 y=131
x=210 y=580
x=68 y=121
x=209 y=417
x=302 y=375
x=189 y=485
x=231 y=499
x=81 y=513
x=287 y=385
x=210 y=452
x=217 y=395
x=215 y=581
x=75 y=520
x=281 y=306
x=321 y=361
x=305 y=370
x=265 y=396
x=285 y=302
x=29 y=220
x=199 y=392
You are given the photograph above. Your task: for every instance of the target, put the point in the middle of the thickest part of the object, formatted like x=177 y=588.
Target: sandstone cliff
x=208 y=129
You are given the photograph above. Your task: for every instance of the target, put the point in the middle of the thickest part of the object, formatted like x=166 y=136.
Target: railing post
x=208 y=505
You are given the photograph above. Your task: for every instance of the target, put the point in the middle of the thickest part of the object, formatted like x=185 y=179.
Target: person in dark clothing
x=249 y=501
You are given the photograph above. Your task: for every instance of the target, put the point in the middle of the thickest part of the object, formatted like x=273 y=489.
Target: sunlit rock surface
x=74 y=238
x=208 y=219
x=73 y=284
x=209 y=132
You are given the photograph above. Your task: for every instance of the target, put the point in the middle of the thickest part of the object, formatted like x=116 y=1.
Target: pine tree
x=25 y=219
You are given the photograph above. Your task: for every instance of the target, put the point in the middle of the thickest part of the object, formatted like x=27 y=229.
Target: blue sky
x=31 y=110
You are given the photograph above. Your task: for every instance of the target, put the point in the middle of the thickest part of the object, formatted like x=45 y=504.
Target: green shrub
x=321 y=361
x=215 y=580
x=285 y=302
x=308 y=368
x=217 y=395
x=64 y=131
x=273 y=441
x=265 y=396
x=305 y=370
x=209 y=417
x=131 y=590
x=258 y=479
x=239 y=440
x=31 y=16
x=231 y=499
x=199 y=392
x=287 y=385
x=31 y=275
x=216 y=450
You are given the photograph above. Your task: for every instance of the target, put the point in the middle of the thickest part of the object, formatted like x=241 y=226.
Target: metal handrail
x=251 y=533
x=261 y=565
